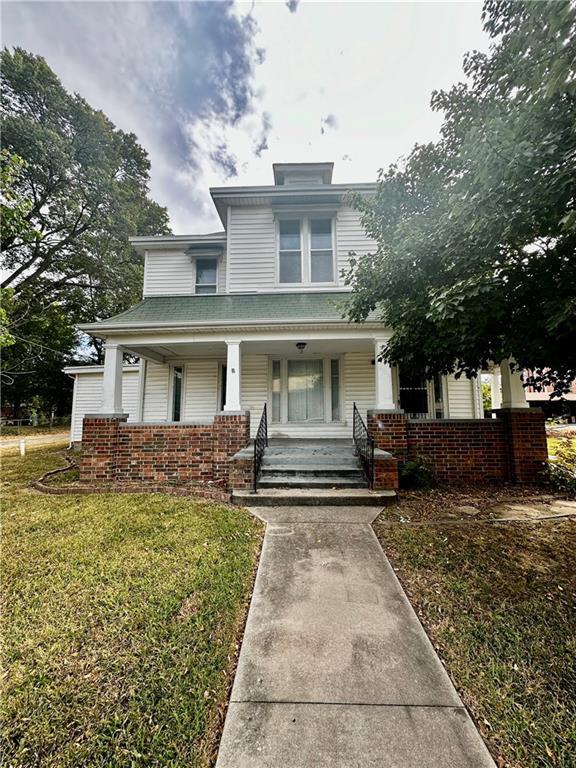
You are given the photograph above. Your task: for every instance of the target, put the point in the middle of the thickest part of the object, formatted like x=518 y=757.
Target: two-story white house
x=252 y=316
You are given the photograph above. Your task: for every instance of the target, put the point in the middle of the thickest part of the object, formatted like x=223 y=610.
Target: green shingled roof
x=231 y=308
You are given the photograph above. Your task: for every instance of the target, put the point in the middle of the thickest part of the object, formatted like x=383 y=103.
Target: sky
x=218 y=91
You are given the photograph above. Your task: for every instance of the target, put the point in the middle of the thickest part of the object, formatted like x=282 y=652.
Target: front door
x=305 y=390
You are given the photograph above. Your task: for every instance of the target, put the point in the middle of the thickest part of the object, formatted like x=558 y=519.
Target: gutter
x=222 y=324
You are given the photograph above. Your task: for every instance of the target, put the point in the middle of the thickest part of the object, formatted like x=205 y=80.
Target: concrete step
x=324 y=470
x=296 y=457
x=311 y=481
x=312 y=497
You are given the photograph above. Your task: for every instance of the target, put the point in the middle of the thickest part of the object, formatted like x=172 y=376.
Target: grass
x=10 y=432
x=120 y=624
x=498 y=602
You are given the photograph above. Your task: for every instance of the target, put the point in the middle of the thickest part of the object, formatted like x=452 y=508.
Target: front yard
x=120 y=623
x=498 y=601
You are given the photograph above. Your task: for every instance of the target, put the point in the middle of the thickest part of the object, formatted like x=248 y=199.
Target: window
x=206 y=271
x=311 y=263
x=335 y=388
x=321 y=256
x=176 y=393
x=276 y=390
x=290 y=251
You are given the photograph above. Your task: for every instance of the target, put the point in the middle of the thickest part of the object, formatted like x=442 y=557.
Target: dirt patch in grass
x=120 y=625
x=474 y=503
x=499 y=603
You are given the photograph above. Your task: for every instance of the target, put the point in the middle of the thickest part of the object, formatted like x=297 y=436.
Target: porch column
x=384 y=390
x=112 y=379
x=232 y=402
x=495 y=391
x=513 y=393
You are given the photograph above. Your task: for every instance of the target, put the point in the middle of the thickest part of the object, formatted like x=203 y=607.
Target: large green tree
x=476 y=233
x=75 y=189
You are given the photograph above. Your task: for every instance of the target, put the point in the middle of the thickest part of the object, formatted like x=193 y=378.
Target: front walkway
x=335 y=669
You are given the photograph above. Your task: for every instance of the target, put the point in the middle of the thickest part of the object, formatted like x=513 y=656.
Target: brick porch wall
x=161 y=454
x=511 y=448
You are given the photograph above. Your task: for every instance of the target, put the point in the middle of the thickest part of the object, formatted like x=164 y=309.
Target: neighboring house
x=251 y=316
x=564 y=406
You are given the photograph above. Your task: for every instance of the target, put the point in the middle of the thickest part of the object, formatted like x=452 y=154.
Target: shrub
x=417 y=474
x=562 y=471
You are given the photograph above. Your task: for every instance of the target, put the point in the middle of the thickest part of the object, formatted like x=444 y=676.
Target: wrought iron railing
x=364 y=445
x=260 y=443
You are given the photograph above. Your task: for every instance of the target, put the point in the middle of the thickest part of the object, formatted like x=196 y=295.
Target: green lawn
x=120 y=623
x=499 y=603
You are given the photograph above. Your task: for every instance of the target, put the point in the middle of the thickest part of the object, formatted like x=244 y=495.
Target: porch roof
x=229 y=309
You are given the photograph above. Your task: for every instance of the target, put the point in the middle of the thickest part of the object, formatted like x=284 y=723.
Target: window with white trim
x=306 y=250
x=290 y=255
x=206 y=275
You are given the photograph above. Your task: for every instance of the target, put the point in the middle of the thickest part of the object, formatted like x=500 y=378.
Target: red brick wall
x=511 y=448
x=471 y=451
x=100 y=447
x=165 y=453
x=231 y=433
x=526 y=443
x=388 y=430
x=162 y=454
x=385 y=473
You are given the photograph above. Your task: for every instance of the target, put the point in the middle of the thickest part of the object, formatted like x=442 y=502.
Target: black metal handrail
x=260 y=443
x=364 y=445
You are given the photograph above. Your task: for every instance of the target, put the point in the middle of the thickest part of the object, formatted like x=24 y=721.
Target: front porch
x=200 y=401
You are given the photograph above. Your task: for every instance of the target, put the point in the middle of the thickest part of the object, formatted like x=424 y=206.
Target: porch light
x=301 y=346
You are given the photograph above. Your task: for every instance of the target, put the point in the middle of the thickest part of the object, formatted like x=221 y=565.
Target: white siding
x=251 y=250
x=461 y=394
x=88 y=398
x=254 y=387
x=168 y=273
x=200 y=390
x=359 y=383
x=172 y=273
x=156 y=388
x=350 y=236
x=252 y=247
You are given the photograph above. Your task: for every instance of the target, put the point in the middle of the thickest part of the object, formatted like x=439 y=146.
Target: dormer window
x=306 y=250
x=206 y=275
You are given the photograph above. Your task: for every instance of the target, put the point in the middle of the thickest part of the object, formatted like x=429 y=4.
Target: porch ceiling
x=282 y=348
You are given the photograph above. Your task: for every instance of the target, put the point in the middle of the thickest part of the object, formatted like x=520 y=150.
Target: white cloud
x=185 y=78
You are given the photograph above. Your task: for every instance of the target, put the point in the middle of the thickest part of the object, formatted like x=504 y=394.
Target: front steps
x=310 y=473
x=311 y=497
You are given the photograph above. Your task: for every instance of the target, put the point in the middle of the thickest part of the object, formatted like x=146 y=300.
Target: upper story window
x=305 y=250
x=206 y=275
x=290 y=266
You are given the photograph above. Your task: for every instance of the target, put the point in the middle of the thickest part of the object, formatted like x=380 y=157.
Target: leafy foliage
x=75 y=188
x=562 y=470
x=417 y=474
x=476 y=233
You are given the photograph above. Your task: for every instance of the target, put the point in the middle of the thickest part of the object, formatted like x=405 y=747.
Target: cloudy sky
x=217 y=91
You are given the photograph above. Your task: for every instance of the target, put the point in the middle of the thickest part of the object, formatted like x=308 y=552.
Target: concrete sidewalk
x=335 y=670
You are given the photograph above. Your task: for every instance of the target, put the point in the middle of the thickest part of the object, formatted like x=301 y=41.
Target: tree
x=476 y=233
x=75 y=189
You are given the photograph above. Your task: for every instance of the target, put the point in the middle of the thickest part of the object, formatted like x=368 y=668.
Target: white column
x=233 y=377
x=384 y=390
x=513 y=393
x=112 y=380
x=495 y=391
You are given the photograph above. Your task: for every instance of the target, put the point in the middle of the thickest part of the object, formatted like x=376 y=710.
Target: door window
x=305 y=390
